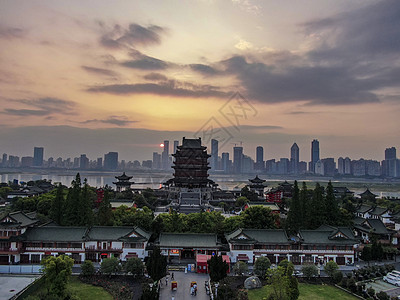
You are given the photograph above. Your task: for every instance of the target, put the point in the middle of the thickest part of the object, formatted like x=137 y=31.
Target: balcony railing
x=280 y=251
x=93 y=248
x=53 y=249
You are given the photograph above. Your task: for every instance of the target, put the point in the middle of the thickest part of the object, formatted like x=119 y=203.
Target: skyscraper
x=389 y=165
x=83 y=162
x=214 y=155
x=294 y=158
x=314 y=155
x=237 y=159
x=156 y=161
x=260 y=158
x=111 y=161
x=165 y=156
x=226 y=166
x=176 y=144
x=38 y=156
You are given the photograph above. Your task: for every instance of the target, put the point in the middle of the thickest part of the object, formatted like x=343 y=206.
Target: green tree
x=57 y=271
x=241 y=201
x=110 y=265
x=105 y=214
x=248 y=194
x=330 y=268
x=258 y=217
x=57 y=206
x=294 y=219
x=240 y=268
x=333 y=215
x=305 y=206
x=72 y=204
x=317 y=208
x=233 y=223
x=218 y=268
x=261 y=266
x=134 y=265
x=156 y=265
x=87 y=268
x=309 y=270
x=366 y=254
x=85 y=207
x=279 y=283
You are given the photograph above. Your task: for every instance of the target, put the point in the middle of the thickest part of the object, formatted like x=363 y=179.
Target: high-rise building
x=294 y=158
x=111 y=161
x=247 y=164
x=38 y=156
x=226 y=166
x=156 y=161
x=347 y=165
x=260 y=165
x=314 y=155
x=389 y=165
x=214 y=155
x=237 y=159
x=99 y=163
x=83 y=162
x=165 y=156
x=176 y=144
x=26 y=161
x=329 y=166
x=4 y=161
x=340 y=163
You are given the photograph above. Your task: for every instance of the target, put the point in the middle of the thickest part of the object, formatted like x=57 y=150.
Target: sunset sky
x=98 y=76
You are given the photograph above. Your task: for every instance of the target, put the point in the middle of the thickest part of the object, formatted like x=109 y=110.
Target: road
x=183 y=290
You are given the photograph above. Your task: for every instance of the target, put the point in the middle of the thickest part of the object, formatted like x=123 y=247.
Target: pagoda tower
x=123 y=182
x=191 y=165
x=257 y=185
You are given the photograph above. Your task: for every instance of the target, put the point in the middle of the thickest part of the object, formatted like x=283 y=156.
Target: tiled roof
x=264 y=236
x=364 y=208
x=328 y=236
x=113 y=233
x=378 y=210
x=21 y=218
x=188 y=240
x=373 y=225
x=54 y=234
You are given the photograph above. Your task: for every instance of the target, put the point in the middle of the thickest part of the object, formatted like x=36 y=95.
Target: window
x=35 y=258
x=76 y=245
x=48 y=245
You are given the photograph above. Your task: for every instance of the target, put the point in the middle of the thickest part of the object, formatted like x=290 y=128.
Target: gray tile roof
x=264 y=236
x=327 y=237
x=54 y=234
x=188 y=240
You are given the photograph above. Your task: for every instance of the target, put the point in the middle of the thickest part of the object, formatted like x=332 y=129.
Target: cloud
x=371 y=30
x=114 y=120
x=99 y=71
x=204 y=69
x=25 y=112
x=45 y=106
x=146 y=63
x=48 y=103
x=155 y=77
x=168 y=88
x=261 y=127
x=133 y=36
x=11 y=32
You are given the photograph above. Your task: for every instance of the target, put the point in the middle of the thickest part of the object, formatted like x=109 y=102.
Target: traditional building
x=123 y=182
x=309 y=246
x=368 y=196
x=257 y=185
x=80 y=243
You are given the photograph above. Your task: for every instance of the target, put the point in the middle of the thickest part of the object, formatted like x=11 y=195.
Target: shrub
x=337 y=276
x=87 y=268
x=382 y=296
x=343 y=283
x=351 y=285
x=371 y=292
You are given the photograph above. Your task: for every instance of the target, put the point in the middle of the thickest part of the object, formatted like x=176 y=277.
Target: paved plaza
x=13 y=284
x=183 y=290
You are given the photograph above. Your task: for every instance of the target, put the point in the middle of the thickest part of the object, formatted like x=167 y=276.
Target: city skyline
x=124 y=77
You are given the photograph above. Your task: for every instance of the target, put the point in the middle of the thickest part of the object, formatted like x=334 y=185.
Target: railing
x=93 y=248
x=53 y=249
x=8 y=250
x=300 y=251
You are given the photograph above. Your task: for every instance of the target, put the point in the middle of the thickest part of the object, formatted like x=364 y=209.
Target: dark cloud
x=146 y=63
x=133 y=36
x=371 y=30
x=111 y=120
x=155 y=77
x=99 y=71
x=45 y=106
x=204 y=69
x=25 y=112
x=169 y=88
x=49 y=104
x=11 y=32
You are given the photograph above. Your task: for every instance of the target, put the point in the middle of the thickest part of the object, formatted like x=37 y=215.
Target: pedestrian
x=166 y=280
x=172 y=276
x=195 y=289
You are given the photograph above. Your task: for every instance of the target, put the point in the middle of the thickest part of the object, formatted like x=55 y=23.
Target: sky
x=98 y=76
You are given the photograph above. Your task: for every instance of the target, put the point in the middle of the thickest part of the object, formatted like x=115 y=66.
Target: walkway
x=183 y=290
